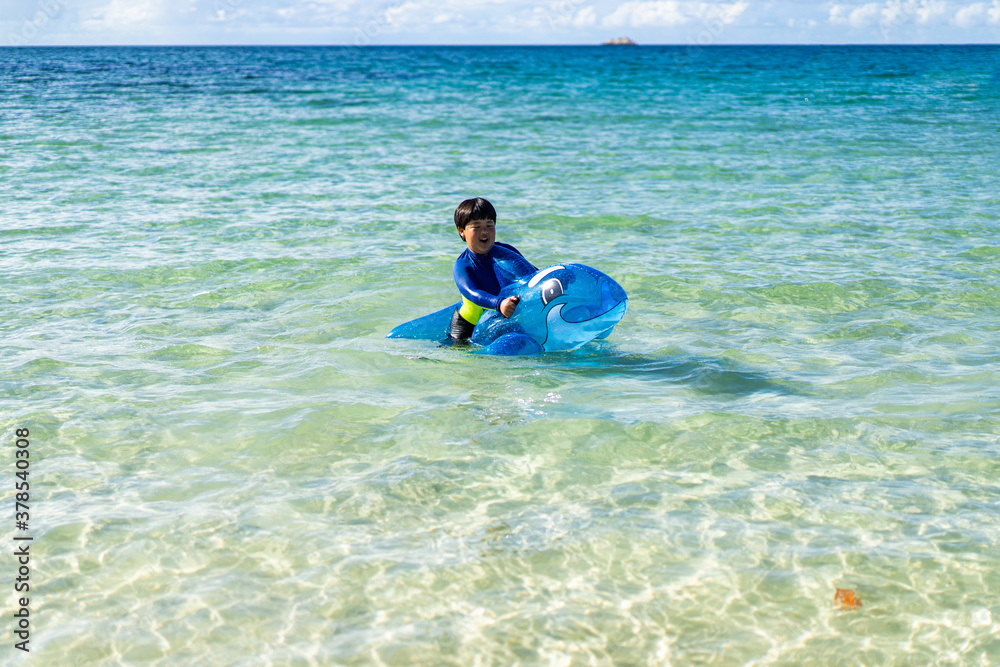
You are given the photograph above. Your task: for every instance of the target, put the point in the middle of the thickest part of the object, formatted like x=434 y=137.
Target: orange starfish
x=845 y=598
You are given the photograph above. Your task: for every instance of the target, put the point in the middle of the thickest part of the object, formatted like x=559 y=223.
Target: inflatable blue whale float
x=561 y=308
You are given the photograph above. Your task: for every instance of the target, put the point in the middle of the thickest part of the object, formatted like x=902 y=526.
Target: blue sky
x=85 y=22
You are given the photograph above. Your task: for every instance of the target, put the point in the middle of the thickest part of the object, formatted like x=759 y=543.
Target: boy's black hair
x=474 y=209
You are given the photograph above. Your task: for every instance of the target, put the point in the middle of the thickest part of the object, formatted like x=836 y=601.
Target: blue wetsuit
x=481 y=277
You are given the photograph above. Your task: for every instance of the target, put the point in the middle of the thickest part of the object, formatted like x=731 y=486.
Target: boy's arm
x=470 y=290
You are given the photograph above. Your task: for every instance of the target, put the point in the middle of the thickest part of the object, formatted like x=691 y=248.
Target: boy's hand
x=507 y=305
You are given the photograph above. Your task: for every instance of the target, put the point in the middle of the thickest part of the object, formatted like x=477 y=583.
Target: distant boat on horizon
x=619 y=41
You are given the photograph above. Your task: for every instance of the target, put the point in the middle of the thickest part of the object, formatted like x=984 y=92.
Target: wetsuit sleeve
x=464 y=279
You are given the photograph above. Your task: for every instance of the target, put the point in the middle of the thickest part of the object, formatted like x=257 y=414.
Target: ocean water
x=202 y=249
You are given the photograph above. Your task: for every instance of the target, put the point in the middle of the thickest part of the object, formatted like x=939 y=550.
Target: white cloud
x=854 y=16
x=122 y=14
x=891 y=15
x=672 y=13
x=994 y=13
x=585 y=18
x=561 y=14
x=665 y=13
x=896 y=12
x=971 y=16
x=401 y=14
x=727 y=13
x=929 y=13
x=978 y=14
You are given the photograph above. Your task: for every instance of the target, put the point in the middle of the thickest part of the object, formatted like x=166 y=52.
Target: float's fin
x=428 y=327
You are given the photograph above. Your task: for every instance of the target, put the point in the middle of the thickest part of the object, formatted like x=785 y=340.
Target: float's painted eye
x=551 y=289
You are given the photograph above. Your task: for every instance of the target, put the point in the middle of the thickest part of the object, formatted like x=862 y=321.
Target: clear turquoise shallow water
x=202 y=250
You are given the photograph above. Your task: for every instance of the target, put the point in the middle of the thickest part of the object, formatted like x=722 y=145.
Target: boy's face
x=480 y=235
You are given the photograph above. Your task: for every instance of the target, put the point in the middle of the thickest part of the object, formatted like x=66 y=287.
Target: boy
x=477 y=274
